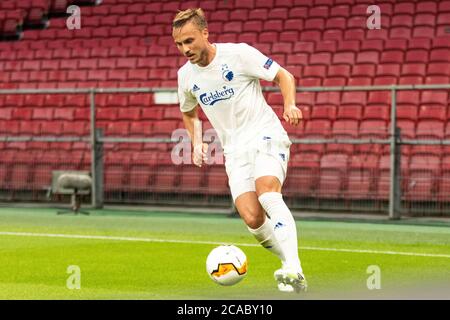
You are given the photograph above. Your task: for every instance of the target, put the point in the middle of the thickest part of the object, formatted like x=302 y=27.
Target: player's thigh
x=270 y=173
x=250 y=209
x=240 y=175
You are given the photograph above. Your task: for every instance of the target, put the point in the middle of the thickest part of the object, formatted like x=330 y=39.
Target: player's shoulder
x=233 y=48
x=184 y=70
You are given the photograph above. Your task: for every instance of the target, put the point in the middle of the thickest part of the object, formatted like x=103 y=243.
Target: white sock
x=284 y=227
x=266 y=237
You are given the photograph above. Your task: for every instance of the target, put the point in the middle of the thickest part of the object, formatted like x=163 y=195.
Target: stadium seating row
x=134 y=123
x=15 y=16
x=334 y=175
x=265 y=8
x=159 y=45
x=367 y=101
x=322 y=42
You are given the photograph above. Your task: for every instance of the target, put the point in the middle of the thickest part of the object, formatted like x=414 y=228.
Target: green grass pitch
x=135 y=255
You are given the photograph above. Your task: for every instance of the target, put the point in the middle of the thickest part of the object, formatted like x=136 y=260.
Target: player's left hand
x=200 y=154
x=292 y=115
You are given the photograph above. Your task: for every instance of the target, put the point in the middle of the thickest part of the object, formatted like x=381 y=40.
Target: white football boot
x=290 y=280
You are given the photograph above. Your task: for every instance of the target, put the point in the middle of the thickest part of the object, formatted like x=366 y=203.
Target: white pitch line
x=115 y=238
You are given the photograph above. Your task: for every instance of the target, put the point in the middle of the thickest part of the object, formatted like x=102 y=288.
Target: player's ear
x=205 y=33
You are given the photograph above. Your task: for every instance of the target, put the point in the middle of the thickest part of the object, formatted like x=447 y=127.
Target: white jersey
x=229 y=92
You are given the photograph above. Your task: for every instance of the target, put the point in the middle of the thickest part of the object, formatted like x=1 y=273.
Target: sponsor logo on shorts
x=283 y=156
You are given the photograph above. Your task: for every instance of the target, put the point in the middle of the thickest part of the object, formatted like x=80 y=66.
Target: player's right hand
x=200 y=154
x=292 y=115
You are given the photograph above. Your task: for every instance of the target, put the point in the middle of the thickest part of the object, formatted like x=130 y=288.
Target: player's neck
x=210 y=54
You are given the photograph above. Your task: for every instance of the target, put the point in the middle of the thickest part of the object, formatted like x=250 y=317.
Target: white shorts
x=268 y=157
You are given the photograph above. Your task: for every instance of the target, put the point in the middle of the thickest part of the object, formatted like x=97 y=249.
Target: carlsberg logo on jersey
x=211 y=98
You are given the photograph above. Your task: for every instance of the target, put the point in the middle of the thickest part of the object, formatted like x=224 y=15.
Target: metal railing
x=96 y=140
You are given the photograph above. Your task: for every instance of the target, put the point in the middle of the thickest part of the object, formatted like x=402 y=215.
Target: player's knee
x=267 y=184
x=253 y=216
x=255 y=222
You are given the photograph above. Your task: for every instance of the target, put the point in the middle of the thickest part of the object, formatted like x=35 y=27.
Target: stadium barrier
x=392 y=176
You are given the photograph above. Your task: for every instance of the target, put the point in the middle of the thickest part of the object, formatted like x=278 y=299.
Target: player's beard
x=202 y=57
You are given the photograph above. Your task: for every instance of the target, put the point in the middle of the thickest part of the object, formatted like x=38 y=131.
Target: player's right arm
x=189 y=109
x=194 y=128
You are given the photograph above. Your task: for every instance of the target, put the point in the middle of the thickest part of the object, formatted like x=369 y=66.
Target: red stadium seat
x=388 y=70
x=318 y=128
x=326 y=112
x=383 y=175
x=314 y=24
x=333 y=34
x=77 y=128
x=426 y=7
x=322 y=58
x=392 y=56
x=430 y=129
x=117 y=128
x=376 y=129
x=413 y=69
x=432 y=112
x=417 y=55
x=361 y=177
x=303 y=177
x=421 y=181
x=408 y=112
x=344 y=58
x=378 y=34
x=440 y=55
x=315 y=129
x=333 y=169
x=261 y=14
x=309 y=35
x=217 y=183
x=167 y=175
x=368 y=57
x=43 y=114
x=435 y=97
x=32 y=128
x=444 y=180
x=336 y=23
x=319 y=12
x=406 y=80
x=340 y=11
x=376 y=112
x=345 y=128
x=439 y=68
x=192 y=179
x=51 y=128
x=298 y=12
x=235 y=27
x=408 y=128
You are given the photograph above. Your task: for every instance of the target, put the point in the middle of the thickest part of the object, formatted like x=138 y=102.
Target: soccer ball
x=226 y=265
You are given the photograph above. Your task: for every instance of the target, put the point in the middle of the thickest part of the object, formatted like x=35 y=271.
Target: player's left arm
x=286 y=82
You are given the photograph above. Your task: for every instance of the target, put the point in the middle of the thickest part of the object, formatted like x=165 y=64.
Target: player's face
x=192 y=42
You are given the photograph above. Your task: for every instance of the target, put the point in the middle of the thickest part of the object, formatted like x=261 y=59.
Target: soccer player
x=223 y=78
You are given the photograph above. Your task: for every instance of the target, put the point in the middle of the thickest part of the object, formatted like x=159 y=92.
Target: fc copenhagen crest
x=227 y=74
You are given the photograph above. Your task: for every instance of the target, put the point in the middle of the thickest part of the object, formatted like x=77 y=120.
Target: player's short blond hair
x=197 y=16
